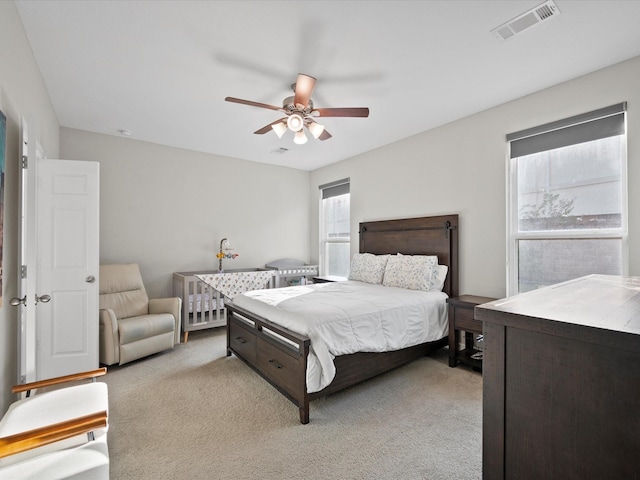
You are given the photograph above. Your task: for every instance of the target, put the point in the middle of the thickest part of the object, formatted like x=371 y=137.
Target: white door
x=67 y=214
x=26 y=256
x=58 y=265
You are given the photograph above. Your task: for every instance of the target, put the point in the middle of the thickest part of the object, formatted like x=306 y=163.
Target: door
x=26 y=256
x=59 y=265
x=66 y=301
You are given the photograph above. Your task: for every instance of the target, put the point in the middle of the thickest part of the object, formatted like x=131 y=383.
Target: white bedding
x=348 y=317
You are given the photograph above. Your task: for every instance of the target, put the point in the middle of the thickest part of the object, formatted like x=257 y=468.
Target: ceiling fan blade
x=324 y=135
x=267 y=128
x=303 y=90
x=341 y=112
x=252 y=104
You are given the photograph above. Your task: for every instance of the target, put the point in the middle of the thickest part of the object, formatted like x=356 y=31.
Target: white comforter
x=347 y=317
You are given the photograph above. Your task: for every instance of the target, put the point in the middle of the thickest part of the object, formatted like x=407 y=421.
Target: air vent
x=528 y=19
x=279 y=151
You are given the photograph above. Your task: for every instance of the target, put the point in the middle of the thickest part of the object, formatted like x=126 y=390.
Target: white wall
x=22 y=93
x=167 y=209
x=460 y=168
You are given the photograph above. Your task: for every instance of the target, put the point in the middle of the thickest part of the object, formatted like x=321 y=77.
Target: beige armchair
x=131 y=325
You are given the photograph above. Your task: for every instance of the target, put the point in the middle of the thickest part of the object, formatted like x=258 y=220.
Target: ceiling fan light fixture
x=300 y=137
x=316 y=129
x=295 y=122
x=279 y=128
x=300 y=112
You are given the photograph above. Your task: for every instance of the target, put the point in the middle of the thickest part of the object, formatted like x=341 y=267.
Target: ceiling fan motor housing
x=289 y=105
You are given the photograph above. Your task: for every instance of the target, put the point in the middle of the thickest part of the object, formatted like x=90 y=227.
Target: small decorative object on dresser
x=461 y=318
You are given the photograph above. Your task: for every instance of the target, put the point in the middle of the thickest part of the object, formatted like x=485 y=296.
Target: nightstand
x=461 y=318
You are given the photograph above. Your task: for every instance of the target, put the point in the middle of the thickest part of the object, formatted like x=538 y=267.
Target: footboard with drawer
x=277 y=354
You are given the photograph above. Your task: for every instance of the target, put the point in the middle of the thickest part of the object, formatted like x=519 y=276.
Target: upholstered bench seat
x=88 y=461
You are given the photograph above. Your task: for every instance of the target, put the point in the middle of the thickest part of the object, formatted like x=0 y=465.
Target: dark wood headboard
x=416 y=236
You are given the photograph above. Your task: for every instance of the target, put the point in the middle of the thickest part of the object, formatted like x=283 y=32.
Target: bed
x=281 y=355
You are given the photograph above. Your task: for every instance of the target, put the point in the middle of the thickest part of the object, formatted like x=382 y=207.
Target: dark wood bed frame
x=280 y=355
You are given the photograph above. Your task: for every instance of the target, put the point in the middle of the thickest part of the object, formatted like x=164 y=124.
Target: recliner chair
x=133 y=326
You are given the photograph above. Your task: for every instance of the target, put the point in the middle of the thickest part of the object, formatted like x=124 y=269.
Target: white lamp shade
x=316 y=129
x=295 y=122
x=300 y=137
x=279 y=128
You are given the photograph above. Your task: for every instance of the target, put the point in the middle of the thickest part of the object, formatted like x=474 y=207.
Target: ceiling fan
x=301 y=112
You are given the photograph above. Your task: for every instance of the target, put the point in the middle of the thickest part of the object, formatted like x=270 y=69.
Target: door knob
x=43 y=298
x=90 y=279
x=15 y=301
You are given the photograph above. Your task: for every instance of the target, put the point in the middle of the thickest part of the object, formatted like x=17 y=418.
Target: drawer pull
x=241 y=340
x=275 y=364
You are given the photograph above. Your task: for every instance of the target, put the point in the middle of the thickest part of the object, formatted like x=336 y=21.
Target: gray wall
x=167 y=209
x=22 y=94
x=461 y=168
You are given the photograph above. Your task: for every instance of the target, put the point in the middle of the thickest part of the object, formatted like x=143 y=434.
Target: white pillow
x=410 y=271
x=369 y=268
x=438 y=277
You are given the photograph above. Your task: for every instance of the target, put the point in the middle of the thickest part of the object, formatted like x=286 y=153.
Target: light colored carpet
x=194 y=413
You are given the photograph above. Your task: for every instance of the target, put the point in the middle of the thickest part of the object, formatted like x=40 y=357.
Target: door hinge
x=25 y=162
x=23 y=271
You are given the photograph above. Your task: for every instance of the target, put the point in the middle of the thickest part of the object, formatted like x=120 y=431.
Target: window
x=568 y=200
x=335 y=228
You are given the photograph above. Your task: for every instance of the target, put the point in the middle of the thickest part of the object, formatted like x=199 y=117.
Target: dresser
x=561 y=381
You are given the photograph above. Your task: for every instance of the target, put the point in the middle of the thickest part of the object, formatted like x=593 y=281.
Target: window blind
x=333 y=189
x=602 y=123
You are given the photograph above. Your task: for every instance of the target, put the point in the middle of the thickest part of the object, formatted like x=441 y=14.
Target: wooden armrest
x=54 y=381
x=38 y=437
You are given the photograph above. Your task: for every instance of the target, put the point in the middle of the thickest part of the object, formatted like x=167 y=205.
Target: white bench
x=60 y=433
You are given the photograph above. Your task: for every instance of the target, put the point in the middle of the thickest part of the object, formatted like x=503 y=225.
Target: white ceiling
x=161 y=69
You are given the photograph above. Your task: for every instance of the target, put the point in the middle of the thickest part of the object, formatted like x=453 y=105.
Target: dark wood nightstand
x=461 y=318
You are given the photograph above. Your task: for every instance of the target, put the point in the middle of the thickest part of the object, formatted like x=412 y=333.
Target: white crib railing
x=202 y=306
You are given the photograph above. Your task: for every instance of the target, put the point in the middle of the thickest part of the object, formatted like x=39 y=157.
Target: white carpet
x=194 y=413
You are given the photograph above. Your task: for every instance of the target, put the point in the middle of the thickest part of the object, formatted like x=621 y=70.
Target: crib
x=292 y=272
x=203 y=306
